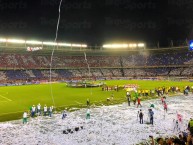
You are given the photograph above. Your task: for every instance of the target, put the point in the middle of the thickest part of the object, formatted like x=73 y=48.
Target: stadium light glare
x=141 y=45
x=33 y=42
x=50 y=43
x=115 y=46
x=132 y=45
x=72 y=45
x=16 y=41
x=40 y=42
x=76 y=45
x=191 y=45
x=84 y=45
x=64 y=44
x=2 y=40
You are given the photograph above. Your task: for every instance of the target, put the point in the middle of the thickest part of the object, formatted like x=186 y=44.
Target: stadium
x=117 y=72
x=79 y=73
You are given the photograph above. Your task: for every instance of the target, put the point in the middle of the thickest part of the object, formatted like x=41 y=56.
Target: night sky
x=96 y=22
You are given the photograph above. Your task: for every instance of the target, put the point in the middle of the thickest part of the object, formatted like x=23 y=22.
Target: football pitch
x=14 y=100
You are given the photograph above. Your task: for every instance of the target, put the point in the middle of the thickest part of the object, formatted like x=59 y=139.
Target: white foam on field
x=108 y=125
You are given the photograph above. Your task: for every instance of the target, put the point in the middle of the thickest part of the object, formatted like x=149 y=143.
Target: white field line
x=5 y=98
x=78 y=102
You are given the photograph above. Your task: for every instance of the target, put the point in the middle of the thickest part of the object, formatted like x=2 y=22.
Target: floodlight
x=115 y=46
x=84 y=45
x=76 y=45
x=50 y=43
x=15 y=41
x=141 y=45
x=132 y=45
x=33 y=42
x=42 y=43
x=119 y=45
x=2 y=40
x=106 y=46
x=64 y=44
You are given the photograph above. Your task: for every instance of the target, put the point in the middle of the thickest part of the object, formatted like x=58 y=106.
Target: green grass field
x=16 y=99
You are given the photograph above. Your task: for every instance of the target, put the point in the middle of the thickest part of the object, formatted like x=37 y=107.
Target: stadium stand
x=16 y=74
x=64 y=73
x=187 y=71
x=2 y=76
x=37 y=73
x=22 y=65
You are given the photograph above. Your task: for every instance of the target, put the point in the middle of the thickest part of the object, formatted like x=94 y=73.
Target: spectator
x=190 y=125
x=189 y=140
x=152 y=140
x=160 y=141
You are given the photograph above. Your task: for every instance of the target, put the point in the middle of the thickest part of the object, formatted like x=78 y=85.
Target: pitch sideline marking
x=5 y=98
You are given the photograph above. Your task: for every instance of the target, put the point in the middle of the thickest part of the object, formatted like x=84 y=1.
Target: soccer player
x=50 y=111
x=39 y=109
x=33 y=111
x=24 y=117
x=88 y=114
x=128 y=98
x=45 y=110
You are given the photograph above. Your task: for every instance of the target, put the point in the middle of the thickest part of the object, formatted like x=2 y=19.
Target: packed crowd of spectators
x=181 y=138
x=26 y=66
x=92 y=72
x=187 y=71
x=43 y=61
x=184 y=138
